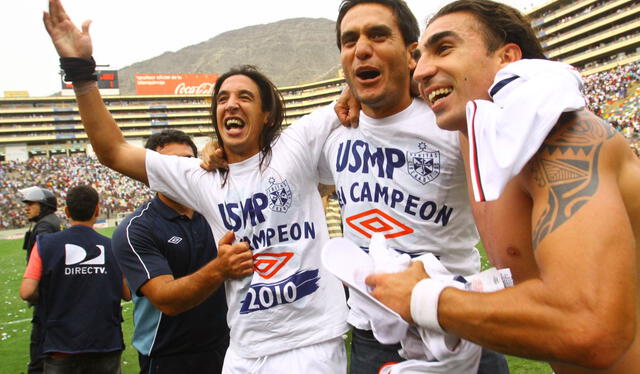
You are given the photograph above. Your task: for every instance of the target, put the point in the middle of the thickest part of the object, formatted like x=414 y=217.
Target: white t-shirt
x=404 y=177
x=290 y=301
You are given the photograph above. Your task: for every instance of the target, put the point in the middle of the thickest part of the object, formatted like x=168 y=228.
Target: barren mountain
x=290 y=52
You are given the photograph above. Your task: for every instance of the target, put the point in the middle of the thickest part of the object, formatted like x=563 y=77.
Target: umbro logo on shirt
x=268 y=264
x=376 y=221
x=174 y=240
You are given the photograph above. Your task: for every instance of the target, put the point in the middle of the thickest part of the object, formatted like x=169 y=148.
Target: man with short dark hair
x=576 y=300
x=75 y=280
x=41 y=208
x=397 y=173
x=159 y=247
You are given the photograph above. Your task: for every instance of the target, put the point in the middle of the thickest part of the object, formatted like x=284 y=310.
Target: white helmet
x=39 y=195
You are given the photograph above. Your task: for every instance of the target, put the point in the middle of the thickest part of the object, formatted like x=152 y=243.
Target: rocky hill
x=290 y=52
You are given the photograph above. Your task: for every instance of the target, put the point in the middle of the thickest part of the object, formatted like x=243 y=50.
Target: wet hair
x=160 y=139
x=501 y=23
x=272 y=103
x=405 y=19
x=82 y=202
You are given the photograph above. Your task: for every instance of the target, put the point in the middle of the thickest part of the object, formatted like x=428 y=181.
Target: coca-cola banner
x=175 y=84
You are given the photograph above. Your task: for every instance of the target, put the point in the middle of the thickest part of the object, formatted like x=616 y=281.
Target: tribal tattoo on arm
x=567 y=166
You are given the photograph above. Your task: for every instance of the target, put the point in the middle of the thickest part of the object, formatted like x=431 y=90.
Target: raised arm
x=106 y=138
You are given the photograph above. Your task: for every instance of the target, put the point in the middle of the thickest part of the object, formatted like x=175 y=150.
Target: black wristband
x=78 y=69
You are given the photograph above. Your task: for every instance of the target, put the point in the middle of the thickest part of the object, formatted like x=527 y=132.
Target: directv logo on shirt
x=76 y=255
x=268 y=295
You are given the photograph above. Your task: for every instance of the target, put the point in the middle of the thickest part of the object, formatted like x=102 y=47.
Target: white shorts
x=328 y=357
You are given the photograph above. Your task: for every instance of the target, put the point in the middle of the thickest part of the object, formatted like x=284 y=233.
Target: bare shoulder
x=579 y=131
x=567 y=170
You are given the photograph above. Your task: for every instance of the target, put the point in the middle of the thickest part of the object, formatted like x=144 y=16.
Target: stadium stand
x=615 y=96
x=601 y=38
x=48 y=131
x=592 y=35
x=118 y=194
x=50 y=126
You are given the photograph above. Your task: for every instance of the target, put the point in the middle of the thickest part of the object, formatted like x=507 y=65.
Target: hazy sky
x=128 y=31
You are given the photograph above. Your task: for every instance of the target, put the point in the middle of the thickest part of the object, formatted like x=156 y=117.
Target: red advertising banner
x=175 y=84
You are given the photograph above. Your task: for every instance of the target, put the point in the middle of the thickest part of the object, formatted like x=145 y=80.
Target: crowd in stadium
x=119 y=194
x=605 y=88
x=122 y=195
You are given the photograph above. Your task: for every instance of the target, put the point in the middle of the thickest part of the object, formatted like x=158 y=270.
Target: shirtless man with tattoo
x=568 y=225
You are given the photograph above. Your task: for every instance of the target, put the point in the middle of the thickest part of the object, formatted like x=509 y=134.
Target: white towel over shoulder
x=528 y=98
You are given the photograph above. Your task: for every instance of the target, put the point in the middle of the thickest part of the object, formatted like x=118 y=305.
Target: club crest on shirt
x=423 y=166
x=279 y=195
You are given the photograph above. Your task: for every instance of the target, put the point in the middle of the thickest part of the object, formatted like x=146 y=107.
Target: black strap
x=78 y=69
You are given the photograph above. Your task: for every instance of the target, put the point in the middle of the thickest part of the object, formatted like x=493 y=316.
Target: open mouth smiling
x=439 y=94
x=234 y=123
